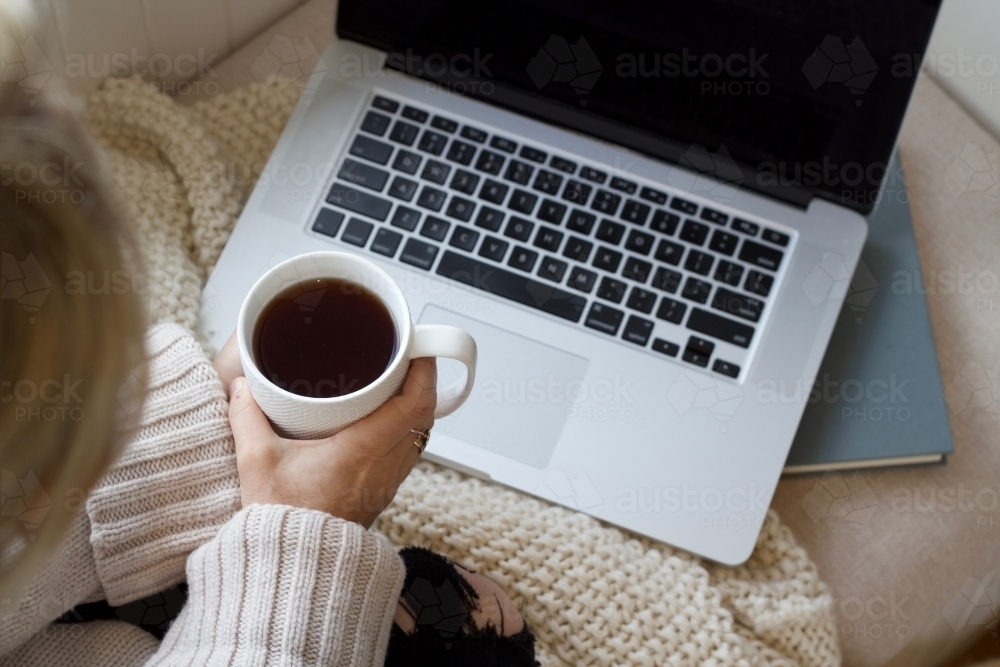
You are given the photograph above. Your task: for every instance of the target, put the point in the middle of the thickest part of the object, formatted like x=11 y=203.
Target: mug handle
x=440 y=340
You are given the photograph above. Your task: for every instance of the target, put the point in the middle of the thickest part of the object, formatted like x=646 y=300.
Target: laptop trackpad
x=519 y=405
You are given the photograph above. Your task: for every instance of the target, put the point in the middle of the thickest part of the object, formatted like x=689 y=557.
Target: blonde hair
x=64 y=357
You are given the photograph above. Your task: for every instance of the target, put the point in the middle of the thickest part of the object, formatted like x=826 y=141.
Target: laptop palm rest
x=532 y=382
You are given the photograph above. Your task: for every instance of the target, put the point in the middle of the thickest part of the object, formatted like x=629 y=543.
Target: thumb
x=249 y=423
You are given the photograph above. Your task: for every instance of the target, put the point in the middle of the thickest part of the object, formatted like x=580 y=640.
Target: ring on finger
x=422 y=438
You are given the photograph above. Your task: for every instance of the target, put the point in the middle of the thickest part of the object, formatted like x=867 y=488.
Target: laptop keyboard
x=629 y=261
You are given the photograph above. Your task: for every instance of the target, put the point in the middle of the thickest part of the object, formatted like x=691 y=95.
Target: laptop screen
x=793 y=99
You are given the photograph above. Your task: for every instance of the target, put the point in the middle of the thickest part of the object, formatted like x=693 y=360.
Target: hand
x=354 y=474
x=227 y=362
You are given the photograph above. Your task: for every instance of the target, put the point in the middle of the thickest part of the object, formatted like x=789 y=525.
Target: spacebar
x=512 y=286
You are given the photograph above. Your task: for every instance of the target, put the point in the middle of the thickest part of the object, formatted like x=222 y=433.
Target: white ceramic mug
x=304 y=417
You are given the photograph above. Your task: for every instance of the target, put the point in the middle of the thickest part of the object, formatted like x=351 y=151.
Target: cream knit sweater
x=268 y=584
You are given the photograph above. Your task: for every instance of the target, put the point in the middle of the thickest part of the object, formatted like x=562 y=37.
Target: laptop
x=647 y=214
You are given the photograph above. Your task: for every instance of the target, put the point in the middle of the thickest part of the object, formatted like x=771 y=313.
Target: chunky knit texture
x=593 y=594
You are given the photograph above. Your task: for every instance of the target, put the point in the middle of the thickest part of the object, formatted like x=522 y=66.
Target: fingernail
x=237 y=385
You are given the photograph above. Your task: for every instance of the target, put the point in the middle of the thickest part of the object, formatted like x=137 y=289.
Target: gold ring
x=422 y=438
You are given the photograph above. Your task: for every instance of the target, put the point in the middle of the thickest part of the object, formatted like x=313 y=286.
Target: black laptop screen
x=793 y=98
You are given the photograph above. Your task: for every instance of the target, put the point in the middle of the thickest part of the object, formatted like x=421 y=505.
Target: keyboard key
x=419 y=254
x=606 y=202
x=694 y=232
x=533 y=154
x=607 y=259
x=489 y=218
x=522 y=258
x=577 y=192
x=328 y=222
x=519 y=172
x=696 y=290
x=461 y=152
x=552 y=269
x=371 y=149
x=375 y=123
x=402 y=188
x=604 y=318
x=518 y=228
x=758 y=283
x=742 y=306
x=490 y=162
x=386 y=242
x=472 y=133
x=639 y=242
x=444 y=124
x=700 y=345
x=404 y=133
x=667 y=280
x=671 y=311
x=581 y=222
x=407 y=162
x=464 y=181
x=610 y=232
x=562 y=164
x=548 y=238
x=777 y=238
x=699 y=262
x=665 y=223
x=712 y=215
x=357 y=232
x=726 y=368
x=431 y=198
x=612 y=290
x=547 y=182
x=719 y=327
x=493 y=248
x=637 y=270
x=582 y=279
x=464 y=238
x=522 y=202
x=729 y=273
x=696 y=358
x=745 y=227
x=763 y=256
x=506 y=145
x=723 y=242
x=415 y=114
x=460 y=209
x=684 y=206
x=493 y=191
x=655 y=196
x=435 y=228
x=628 y=187
x=405 y=218
x=436 y=172
x=669 y=252
x=356 y=201
x=551 y=211
x=509 y=285
x=641 y=300
x=637 y=330
x=666 y=347
x=635 y=212
x=385 y=104
x=593 y=175
x=578 y=249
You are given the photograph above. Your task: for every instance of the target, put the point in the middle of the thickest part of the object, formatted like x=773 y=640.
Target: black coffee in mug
x=324 y=337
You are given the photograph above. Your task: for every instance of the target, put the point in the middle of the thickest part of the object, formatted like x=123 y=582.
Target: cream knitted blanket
x=593 y=594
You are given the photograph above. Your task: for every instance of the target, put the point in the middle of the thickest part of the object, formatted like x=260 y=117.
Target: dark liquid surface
x=324 y=337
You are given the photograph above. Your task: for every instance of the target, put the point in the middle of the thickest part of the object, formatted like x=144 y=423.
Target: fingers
x=251 y=430
x=414 y=405
x=227 y=362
